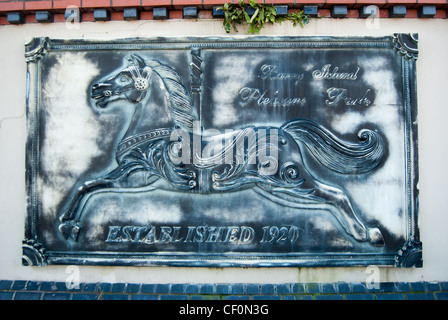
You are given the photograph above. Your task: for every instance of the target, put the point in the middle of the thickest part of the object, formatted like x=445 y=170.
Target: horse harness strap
x=134 y=141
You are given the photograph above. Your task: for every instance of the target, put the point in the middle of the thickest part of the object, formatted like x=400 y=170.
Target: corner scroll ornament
x=33 y=253
x=36 y=48
x=410 y=255
x=406 y=45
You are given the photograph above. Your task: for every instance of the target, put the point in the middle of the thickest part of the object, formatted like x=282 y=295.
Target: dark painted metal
x=15 y=18
x=131 y=14
x=339 y=11
x=101 y=15
x=222 y=152
x=427 y=11
x=217 y=12
x=160 y=13
x=398 y=11
x=281 y=10
x=190 y=12
x=369 y=11
x=310 y=11
x=43 y=16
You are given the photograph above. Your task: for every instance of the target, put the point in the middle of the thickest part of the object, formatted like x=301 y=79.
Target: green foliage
x=236 y=14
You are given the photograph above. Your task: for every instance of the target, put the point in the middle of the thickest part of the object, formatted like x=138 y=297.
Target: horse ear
x=137 y=60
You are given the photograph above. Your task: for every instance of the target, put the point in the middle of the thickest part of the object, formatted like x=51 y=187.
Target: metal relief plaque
x=222 y=152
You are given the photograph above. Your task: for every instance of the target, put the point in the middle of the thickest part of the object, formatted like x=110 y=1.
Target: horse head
x=130 y=83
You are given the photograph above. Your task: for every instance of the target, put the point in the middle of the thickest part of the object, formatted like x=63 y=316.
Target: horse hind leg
x=343 y=211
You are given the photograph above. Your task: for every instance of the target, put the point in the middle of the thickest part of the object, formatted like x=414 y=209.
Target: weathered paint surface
x=198 y=152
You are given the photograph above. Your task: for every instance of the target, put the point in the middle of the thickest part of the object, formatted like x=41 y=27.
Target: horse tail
x=336 y=154
x=181 y=108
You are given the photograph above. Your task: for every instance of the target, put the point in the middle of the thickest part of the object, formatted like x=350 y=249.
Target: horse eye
x=124 y=78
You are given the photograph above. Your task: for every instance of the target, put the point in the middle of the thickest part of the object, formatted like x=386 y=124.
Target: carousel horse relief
x=166 y=154
x=222 y=153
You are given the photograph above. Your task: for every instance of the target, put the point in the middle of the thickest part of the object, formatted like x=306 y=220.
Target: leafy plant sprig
x=237 y=14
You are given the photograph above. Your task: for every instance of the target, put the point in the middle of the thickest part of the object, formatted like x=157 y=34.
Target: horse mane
x=181 y=109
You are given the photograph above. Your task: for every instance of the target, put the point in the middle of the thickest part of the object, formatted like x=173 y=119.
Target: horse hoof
x=375 y=237
x=68 y=229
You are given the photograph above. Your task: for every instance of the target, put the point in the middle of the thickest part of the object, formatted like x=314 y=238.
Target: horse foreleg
x=343 y=211
x=69 y=226
x=69 y=219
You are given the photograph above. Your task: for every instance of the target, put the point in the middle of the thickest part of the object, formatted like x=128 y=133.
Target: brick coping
x=47 y=290
x=26 y=11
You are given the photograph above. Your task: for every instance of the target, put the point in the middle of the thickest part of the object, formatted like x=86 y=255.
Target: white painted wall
x=432 y=69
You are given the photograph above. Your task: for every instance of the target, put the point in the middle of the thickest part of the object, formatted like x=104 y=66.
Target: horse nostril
x=95 y=86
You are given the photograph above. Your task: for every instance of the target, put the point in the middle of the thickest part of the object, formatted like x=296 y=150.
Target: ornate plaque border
x=410 y=255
